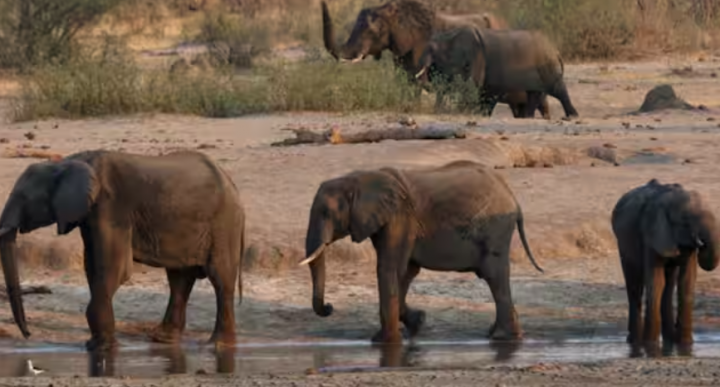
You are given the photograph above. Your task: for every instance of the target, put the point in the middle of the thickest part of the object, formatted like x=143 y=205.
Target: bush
x=108 y=81
x=40 y=31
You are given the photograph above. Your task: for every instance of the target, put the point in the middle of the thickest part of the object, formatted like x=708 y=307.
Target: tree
x=36 y=31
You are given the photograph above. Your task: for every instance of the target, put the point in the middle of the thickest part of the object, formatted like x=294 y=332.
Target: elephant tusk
x=420 y=73
x=698 y=242
x=343 y=60
x=358 y=59
x=314 y=255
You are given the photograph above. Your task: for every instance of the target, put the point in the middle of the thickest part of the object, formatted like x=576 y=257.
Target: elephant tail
x=521 y=231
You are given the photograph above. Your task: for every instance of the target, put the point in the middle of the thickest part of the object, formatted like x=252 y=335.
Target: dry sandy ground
x=566 y=209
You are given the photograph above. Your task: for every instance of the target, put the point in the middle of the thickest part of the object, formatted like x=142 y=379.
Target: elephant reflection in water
x=102 y=363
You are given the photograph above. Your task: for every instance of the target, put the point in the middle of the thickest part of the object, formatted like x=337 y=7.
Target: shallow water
x=145 y=360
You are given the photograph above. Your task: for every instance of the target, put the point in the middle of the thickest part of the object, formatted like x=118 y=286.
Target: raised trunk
x=12 y=279
x=328 y=31
x=315 y=239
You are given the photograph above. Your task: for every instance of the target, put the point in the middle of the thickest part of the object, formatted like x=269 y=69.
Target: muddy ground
x=567 y=177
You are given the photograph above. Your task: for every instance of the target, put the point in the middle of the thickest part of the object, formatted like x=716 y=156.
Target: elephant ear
x=378 y=196
x=76 y=188
x=657 y=231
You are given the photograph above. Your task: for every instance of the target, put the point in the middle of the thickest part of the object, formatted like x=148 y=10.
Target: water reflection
x=175 y=360
x=144 y=360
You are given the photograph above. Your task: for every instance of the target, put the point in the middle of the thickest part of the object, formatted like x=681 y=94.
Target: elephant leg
x=412 y=318
x=666 y=305
x=393 y=256
x=388 y=290
x=223 y=274
x=173 y=324
x=559 y=91
x=108 y=250
x=533 y=101
x=544 y=107
x=686 y=300
x=634 y=285
x=506 y=325
x=654 y=283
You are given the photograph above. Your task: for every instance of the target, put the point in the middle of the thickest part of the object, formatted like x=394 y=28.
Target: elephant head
x=358 y=204
x=45 y=193
x=678 y=220
x=398 y=25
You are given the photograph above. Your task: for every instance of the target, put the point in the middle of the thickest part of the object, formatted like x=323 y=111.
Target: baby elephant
x=457 y=217
x=663 y=231
x=179 y=211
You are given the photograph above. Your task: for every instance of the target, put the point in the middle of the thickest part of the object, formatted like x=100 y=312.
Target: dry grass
x=109 y=79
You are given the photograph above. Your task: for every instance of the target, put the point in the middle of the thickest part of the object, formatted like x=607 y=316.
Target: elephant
x=455 y=217
x=402 y=26
x=179 y=211
x=662 y=232
x=502 y=64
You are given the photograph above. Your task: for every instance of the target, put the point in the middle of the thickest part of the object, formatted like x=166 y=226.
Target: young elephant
x=504 y=65
x=662 y=232
x=457 y=217
x=178 y=211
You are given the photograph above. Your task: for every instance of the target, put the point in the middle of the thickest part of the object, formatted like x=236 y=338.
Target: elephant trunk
x=316 y=241
x=328 y=32
x=12 y=279
x=708 y=256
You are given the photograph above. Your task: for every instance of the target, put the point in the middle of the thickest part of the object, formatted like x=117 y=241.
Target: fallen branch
x=14 y=153
x=333 y=136
x=28 y=290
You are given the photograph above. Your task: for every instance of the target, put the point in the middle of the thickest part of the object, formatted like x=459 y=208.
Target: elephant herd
x=183 y=212
x=517 y=67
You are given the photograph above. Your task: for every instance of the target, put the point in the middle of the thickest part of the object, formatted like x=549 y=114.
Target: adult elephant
x=501 y=64
x=456 y=217
x=404 y=27
x=179 y=211
x=663 y=231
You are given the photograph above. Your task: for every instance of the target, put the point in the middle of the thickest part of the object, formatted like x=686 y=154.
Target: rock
x=663 y=97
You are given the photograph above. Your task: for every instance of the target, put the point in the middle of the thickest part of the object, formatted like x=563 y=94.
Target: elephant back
x=520 y=60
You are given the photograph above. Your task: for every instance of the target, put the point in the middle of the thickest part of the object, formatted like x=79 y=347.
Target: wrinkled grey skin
x=457 y=217
x=178 y=211
x=663 y=232
x=500 y=63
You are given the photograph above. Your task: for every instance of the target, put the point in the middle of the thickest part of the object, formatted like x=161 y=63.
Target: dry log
x=28 y=290
x=333 y=136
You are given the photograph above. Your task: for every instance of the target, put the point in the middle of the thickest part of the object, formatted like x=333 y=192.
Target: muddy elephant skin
x=663 y=233
x=457 y=217
x=179 y=211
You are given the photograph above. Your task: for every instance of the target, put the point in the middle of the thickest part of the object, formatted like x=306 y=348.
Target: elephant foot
x=396 y=337
x=504 y=334
x=414 y=321
x=101 y=344
x=223 y=340
x=683 y=337
x=632 y=339
x=165 y=334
